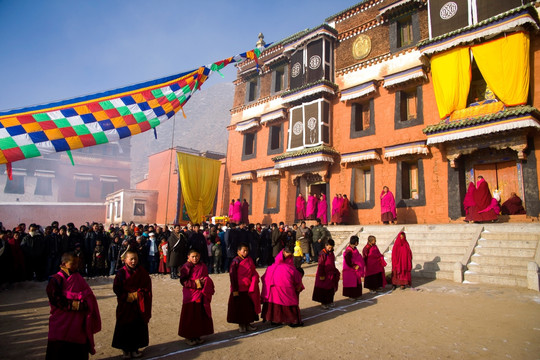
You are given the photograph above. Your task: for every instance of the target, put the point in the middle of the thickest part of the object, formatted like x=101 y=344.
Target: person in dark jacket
x=178 y=249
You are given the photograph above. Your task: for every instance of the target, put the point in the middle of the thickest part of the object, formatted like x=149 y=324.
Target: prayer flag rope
x=103 y=117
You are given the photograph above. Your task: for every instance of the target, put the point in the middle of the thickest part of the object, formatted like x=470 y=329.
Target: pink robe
x=353 y=277
x=237 y=216
x=468 y=202
x=374 y=261
x=388 y=204
x=311 y=210
x=322 y=209
x=282 y=283
x=300 y=208
x=336 y=207
x=231 y=211
x=75 y=326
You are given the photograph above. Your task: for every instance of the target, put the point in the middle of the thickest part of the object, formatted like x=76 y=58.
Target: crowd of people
x=188 y=254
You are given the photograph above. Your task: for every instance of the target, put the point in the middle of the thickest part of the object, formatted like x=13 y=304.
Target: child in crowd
x=196 y=315
x=281 y=288
x=163 y=250
x=244 y=301
x=217 y=255
x=375 y=279
x=78 y=253
x=133 y=289
x=327 y=277
x=74 y=315
x=298 y=256
x=99 y=260
x=353 y=270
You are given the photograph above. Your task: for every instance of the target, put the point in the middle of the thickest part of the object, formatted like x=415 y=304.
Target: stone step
x=524 y=236
x=442 y=250
x=497 y=270
x=501 y=260
x=520 y=244
x=512 y=228
x=447 y=275
x=442 y=228
x=506 y=280
x=441 y=236
x=432 y=257
x=419 y=243
x=492 y=251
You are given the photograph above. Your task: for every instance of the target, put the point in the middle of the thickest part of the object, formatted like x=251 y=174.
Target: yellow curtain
x=451 y=72
x=199 y=179
x=504 y=64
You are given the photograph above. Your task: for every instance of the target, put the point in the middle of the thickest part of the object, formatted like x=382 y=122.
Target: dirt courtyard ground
x=437 y=320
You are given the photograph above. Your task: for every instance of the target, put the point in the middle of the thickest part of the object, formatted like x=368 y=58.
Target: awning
x=262 y=173
x=279 y=114
x=45 y=174
x=418 y=147
x=358 y=91
x=108 y=178
x=303 y=160
x=247 y=125
x=317 y=88
x=246 y=175
x=17 y=171
x=403 y=76
x=84 y=177
x=360 y=156
x=526 y=121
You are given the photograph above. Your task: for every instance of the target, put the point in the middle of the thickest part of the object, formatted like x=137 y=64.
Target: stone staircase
x=502 y=255
x=436 y=248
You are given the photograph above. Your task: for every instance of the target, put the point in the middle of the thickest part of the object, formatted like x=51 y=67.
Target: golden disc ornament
x=361 y=47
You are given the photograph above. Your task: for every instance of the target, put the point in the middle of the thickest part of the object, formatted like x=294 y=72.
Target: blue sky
x=59 y=49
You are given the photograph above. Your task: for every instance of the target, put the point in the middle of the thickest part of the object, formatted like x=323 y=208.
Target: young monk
x=281 y=288
x=133 y=289
x=196 y=315
x=327 y=277
x=74 y=315
x=245 y=299
x=353 y=270
x=401 y=262
x=375 y=279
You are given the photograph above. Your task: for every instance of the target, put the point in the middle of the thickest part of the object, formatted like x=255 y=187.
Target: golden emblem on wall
x=361 y=47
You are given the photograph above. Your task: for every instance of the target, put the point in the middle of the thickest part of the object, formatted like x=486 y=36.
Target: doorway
x=502 y=176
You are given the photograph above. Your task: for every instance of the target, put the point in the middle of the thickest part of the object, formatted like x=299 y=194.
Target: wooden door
x=502 y=176
x=489 y=172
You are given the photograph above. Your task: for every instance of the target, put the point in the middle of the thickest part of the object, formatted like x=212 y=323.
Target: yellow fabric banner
x=504 y=64
x=199 y=178
x=451 y=72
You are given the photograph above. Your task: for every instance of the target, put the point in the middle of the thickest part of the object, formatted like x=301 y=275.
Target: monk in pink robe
x=468 y=202
x=231 y=210
x=300 y=207
x=322 y=209
x=354 y=270
x=74 y=315
x=375 y=279
x=388 y=206
x=327 y=277
x=344 y=209
x=336 y=206
x=281 y=287
x=196 y=316
x=401 y=262
x=311 y=210
x=237 y=217
x=245 y=299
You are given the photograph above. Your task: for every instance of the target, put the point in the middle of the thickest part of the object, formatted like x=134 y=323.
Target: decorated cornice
x=344 y=35
x=254 y=104
x=509 y=20
x=323 y=149
x=400 y=8
x=320 y=86
x=517 y=117
x=374 y=61
x=353 y=10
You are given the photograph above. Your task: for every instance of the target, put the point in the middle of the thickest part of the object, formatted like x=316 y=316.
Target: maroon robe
x=246 y=305
x=401 y=261
x=513 y=206
x=482 y=200
x=245 y=212
x=131 y=329
x=325 y=289
x=375 y=276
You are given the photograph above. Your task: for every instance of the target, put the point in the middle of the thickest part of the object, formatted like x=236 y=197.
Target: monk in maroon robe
x=401 y=262
x=375 y=279
x=245 y=299
x=196 y=316
x=327 y=277
x=344 y=211
x=513 y=205
x=245 y=212
x=133 y=289
x=482 y=200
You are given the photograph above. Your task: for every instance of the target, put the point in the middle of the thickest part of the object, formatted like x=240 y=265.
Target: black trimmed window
x=362 y=187
x=43 y=186
x=410 y=188
x=271 y=197
x=362 y=118
x=275 y=139
x=106 y=188
x=15 y=186
x=409 y=108
x=404 y=32
x=279 y=79
x=139 y=208
x=249 y=150
x=82 y=188
x=252 y=90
